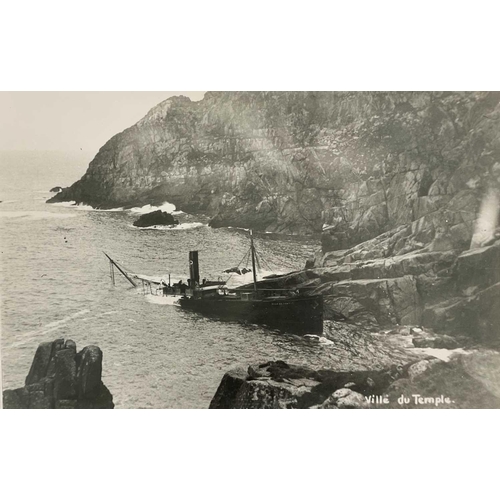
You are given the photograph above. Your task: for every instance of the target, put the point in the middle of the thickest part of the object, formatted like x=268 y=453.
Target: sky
x=72 y=121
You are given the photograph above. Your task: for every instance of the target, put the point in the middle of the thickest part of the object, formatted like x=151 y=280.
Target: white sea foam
x=69 y=204
x=442 y=354
x=146 y=209
x=178 y=212
x=88 y=208
x=33 y=215
x=5 y=202
x=163 y=300
x=180 y=227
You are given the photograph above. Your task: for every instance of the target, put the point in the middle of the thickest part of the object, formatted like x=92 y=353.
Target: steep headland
x=357 y=163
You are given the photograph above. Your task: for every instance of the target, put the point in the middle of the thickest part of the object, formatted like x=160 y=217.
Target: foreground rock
x=156 y=218
x=470 y=380
x=61 y=378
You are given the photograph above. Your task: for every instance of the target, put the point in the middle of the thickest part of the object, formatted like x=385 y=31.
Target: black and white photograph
x=250 y=249
x=211 y=206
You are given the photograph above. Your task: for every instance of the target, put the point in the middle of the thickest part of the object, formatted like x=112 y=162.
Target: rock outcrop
x=470 y=380
x=56 y=189
x=156 y=218
x=62 y=378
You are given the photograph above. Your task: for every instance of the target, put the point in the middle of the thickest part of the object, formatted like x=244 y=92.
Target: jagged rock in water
x=156 y=218
x=470 y=380
x=56 y=189
x=60 y=377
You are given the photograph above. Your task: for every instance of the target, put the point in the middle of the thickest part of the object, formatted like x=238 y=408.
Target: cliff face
x=357 y=164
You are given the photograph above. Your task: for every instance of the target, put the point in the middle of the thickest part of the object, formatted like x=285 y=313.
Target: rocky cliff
x=357 y=164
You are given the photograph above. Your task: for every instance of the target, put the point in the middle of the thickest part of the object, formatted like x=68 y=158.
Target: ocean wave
x=180 y=227
x=5 y=202
x=65 y=204
x=146 y=209
x=33 y=215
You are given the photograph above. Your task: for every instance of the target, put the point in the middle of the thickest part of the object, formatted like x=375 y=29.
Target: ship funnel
x=194 y=269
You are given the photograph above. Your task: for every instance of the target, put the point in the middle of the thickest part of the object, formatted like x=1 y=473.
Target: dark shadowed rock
x=12 y=399
x=40 y=363
x=57 y=345
x=157 y=218
x=439 y=342
x=56 y=189
x=65 y=376
x=89 y=371
x=478 y=267
x=228 y=389
x=69 y=344
x=101 y=400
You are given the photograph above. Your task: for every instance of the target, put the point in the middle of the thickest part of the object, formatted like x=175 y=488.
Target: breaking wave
x=181 y=227
x=146 y=209
x=65 y=204
x=88 y=208
x=162 y=300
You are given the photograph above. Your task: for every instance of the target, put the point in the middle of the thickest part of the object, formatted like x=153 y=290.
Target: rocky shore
x=62 y=378
x=465 y=380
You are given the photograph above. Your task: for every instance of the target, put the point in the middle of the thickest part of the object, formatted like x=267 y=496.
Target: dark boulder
x=56 y=189
x=157 y=218
x=62 y=378
x=437 y=342
x=228 y=389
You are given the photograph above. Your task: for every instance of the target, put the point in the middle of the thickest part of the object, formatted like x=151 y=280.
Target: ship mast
x=252 y=248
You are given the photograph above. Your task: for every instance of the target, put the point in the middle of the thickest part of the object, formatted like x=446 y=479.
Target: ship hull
x=298 y=315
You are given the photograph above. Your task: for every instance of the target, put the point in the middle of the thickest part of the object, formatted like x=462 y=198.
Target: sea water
x=55 y=283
